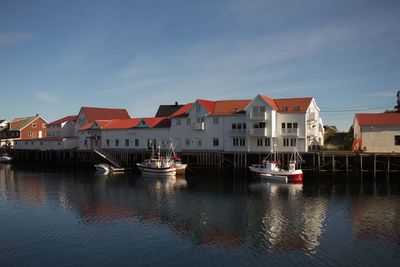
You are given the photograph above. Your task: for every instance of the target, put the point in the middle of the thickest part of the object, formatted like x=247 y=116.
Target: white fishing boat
x=271 y=168
x=5 y=158
x=103 y=168
x=160 y=166
x=179 y=165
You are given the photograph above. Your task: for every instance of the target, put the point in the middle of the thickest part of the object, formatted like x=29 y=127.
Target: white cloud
x=12 y=39
x=45 y=97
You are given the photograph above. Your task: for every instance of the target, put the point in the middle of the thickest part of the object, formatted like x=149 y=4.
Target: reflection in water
x=261 y=218
x=289 y=222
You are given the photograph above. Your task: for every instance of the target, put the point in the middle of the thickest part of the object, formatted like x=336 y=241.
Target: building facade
x=377 y=132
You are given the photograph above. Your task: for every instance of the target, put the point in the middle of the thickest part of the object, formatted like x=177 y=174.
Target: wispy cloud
x=15 y=38
x=391 y=94
x=45 y=97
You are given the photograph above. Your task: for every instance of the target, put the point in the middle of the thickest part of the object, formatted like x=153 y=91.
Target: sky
x=56 y=56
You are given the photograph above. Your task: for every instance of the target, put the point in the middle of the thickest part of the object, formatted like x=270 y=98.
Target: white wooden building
x=252 y=125
x=377 y=132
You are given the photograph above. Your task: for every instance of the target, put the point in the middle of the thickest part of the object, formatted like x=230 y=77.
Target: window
x=262 y=109
x=116 y=142
x=187 y=141
x=188 y=122
x=178 y=121
x=297 y=108
x=259 y=141
x=26 y=142
x=41 y=143
x=216 y=120
x=84 y=142
x=136 y=142
x=199 y=142
x=126 y=142
x=30 y=134
x=107 y=142
x=239 y=141
x=267 y=142
x=295 y=125
x=285 y=141
x=58 y=143
x=233 y=126
x=285 y=108
x=215 y=141
x=397 y=140
x=34 y=125
x=44 y=125
x=293 y=142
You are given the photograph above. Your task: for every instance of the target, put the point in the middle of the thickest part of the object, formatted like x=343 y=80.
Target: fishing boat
x=160 y=166
x=5 y=158
x=179 y=165
x=271 y=168
x=103 y=168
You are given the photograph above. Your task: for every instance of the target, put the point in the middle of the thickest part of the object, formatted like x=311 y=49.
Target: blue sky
x=56 y=56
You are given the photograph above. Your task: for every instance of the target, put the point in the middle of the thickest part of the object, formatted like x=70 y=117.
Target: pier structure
x=322 y=161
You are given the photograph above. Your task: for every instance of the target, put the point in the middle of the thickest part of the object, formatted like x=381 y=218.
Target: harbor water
x=53 y=217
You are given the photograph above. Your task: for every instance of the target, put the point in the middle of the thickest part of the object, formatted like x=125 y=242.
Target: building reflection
x=288 y=221
x=376 y=217
x=267 y=216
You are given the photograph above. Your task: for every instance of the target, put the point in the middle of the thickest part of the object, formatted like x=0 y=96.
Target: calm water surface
x=78 y=218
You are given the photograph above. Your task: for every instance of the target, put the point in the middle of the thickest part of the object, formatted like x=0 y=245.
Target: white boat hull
x=293 y=176
x=162 y=171
x=5 y=159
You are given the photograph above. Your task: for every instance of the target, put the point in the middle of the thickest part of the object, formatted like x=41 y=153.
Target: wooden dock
x=323 y=161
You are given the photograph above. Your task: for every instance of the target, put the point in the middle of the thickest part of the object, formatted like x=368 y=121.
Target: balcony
x=290 y=132
x=238 y=132
x=259 y=116
x=199 y=126
x=259 y=132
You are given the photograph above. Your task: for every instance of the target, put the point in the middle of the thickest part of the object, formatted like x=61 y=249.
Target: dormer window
x=297 y=108
x=234 y=110
x=285 y=108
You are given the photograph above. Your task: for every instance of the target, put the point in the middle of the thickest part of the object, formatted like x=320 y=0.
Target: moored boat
x=271 y=169
x=5 y=158
x=160 y=166
x=103 y=168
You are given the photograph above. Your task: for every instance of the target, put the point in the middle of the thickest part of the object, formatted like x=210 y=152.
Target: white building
x=377 y=132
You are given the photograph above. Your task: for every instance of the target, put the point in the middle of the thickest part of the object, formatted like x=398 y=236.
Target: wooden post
x=319 y=162
x=361 y=163
x=347 y=163
x=388 y=165
x=374 y=168
x=333 y=163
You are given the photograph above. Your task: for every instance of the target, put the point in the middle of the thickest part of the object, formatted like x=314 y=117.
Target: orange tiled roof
x=159 y=122
x=65 y=119
x=270 y=102
x=229 y=107
x=105 y=113
x=378 y=118
x=207 y=104
x=182 y=112
x=293 y=104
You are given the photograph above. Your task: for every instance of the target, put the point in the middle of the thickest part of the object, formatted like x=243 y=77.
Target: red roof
x=229 y=107
x=160 y=122
x=207 y=104
x=293 y=104
x=104 y=113
x=182 y=112
x=270 y=102
x=62 y=120
x=378 y=119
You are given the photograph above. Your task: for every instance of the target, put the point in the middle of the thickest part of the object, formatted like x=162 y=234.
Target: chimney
x=176 y=103
x=37 y=114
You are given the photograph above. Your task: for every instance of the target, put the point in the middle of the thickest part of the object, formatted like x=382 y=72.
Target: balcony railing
x=238 y=132
x=261 y=116
x=199 y=126
x=259 y=132
x=290 y=131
